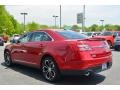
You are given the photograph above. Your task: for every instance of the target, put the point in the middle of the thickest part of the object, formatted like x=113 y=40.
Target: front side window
x=25 y=38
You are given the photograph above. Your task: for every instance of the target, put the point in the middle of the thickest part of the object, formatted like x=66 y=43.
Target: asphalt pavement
x=22 y=75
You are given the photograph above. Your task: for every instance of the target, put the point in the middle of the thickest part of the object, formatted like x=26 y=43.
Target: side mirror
x=17 y=41
x=11 y=41
x=14 y=41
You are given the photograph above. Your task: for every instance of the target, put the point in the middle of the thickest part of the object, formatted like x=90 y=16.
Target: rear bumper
x=83 y=64
x=95 y=69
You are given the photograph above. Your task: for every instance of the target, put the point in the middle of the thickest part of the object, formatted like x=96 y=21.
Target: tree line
x=9 y=25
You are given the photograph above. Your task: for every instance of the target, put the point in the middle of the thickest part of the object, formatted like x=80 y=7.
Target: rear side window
x=40 y=36
x=72 y=34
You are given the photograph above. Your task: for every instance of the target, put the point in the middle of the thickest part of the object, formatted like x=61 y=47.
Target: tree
x=109 y=27
x=94 y=27
x=75 y=27
x=44 y=27
x=6 y=25
x=67 y=27
x=116 y=27
x=17 y=27
x=33 y=26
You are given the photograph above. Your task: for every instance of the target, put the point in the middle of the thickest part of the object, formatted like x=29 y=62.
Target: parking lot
x=21 y=75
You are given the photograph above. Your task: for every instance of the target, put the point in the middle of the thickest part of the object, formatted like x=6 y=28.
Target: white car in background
x=15 y=38
x=91 y=34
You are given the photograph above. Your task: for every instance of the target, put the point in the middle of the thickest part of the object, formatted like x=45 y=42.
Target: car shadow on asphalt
x=65 y=80
x=115 y=50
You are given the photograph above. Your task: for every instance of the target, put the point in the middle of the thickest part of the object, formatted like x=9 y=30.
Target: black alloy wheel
x=7 y=58
x=50 y=70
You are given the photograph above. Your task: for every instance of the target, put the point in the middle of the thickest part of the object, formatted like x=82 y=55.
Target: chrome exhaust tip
x=87 y=74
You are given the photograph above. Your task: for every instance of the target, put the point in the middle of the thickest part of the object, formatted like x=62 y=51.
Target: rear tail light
x=106 y=45
x=84 y=47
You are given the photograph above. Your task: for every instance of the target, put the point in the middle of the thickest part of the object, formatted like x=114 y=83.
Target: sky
x=43 y=14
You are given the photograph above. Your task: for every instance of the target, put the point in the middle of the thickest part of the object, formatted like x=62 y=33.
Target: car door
x=35 y=48
x=19 y=51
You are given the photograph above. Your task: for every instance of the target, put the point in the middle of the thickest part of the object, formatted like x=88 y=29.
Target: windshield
x=107 y=33
x=72 y=34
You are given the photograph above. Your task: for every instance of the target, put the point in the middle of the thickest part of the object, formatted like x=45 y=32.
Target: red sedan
x=59 y=52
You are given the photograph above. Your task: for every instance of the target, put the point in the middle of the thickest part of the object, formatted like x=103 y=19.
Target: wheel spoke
x=52 y=73
x=46 y=63
x=48 y=75
x=45 y=69
x=51 y=65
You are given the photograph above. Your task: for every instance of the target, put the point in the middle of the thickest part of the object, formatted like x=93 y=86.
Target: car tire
x=50 y=69
x=7 y=58
x=117 y=48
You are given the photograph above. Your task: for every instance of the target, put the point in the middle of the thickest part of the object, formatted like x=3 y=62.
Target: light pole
x=102 y=24
x=24 y=18
x=83 y=20
x=55 y=19
x=60 y=16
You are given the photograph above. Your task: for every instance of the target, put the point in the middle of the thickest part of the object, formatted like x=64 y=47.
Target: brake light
x=84 y=47
x=106 y=45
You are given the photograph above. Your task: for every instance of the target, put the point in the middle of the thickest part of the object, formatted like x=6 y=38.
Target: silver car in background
x=1 y=41
x=117 y=42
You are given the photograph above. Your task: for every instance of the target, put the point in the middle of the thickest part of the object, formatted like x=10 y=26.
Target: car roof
x=49 y=30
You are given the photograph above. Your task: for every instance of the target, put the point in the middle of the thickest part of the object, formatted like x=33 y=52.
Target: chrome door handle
x=41 y=45
x=23 y=51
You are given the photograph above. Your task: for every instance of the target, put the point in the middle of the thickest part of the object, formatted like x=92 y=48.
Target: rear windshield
x=107 y=33
x=72 y=34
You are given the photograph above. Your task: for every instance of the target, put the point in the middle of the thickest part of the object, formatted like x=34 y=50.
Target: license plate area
x=104 y=66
